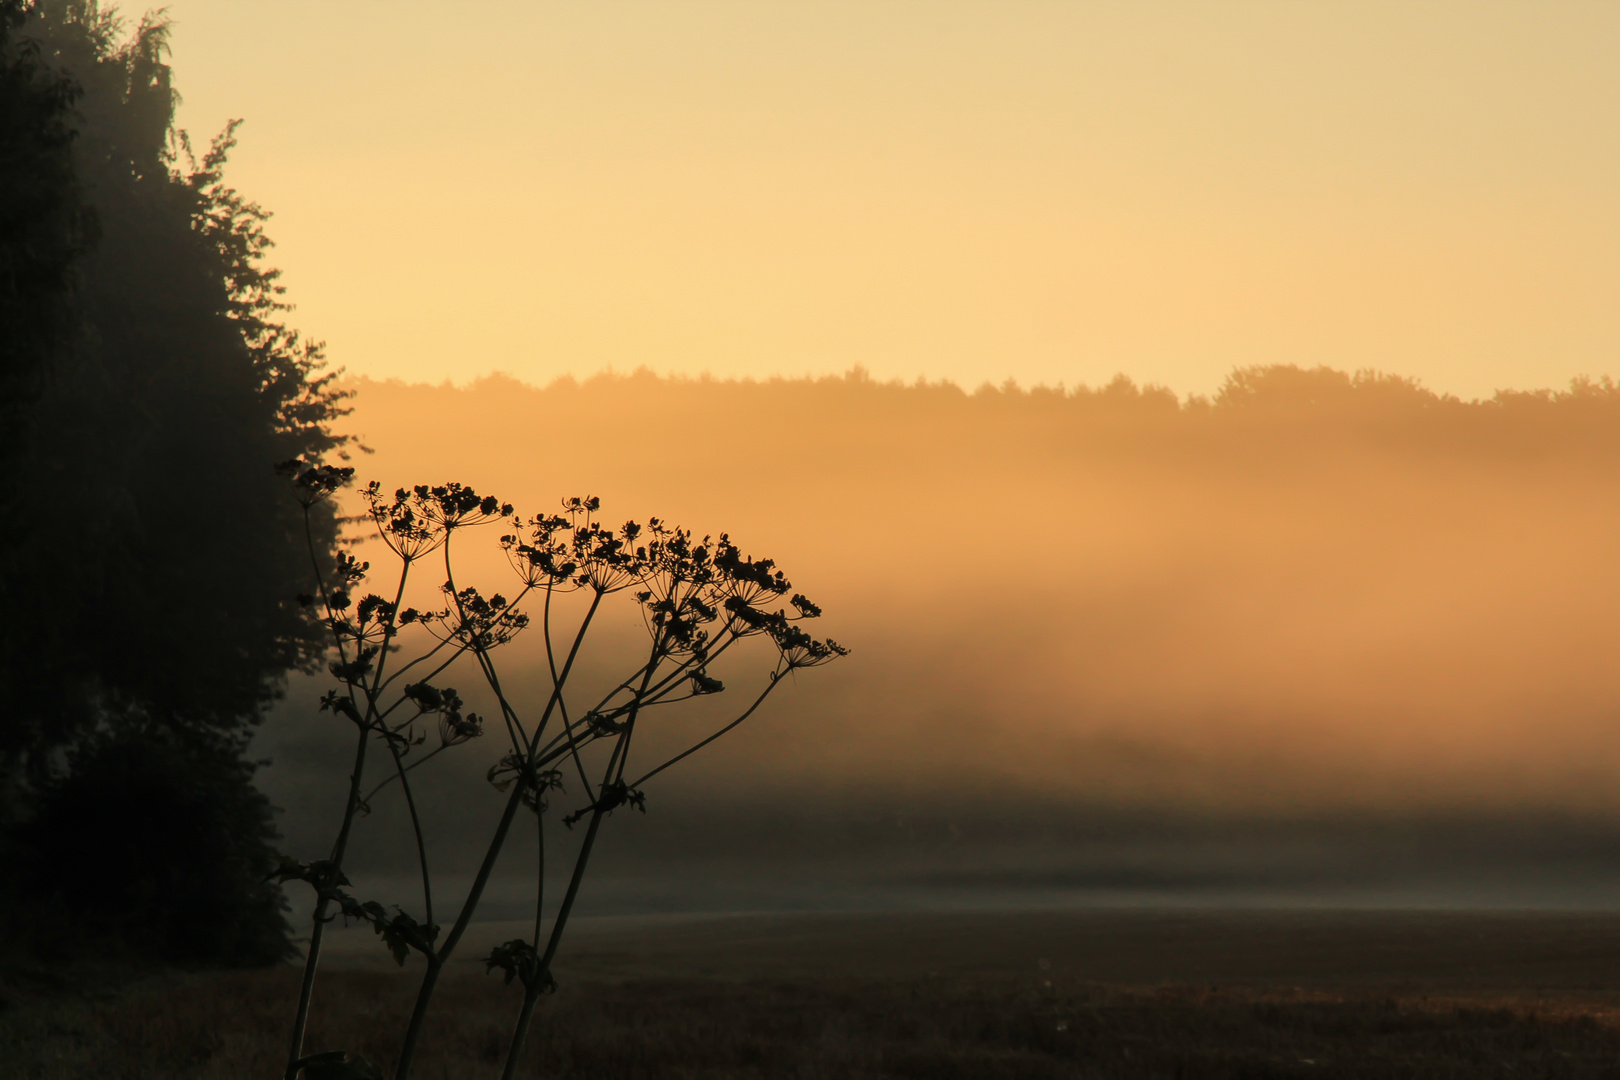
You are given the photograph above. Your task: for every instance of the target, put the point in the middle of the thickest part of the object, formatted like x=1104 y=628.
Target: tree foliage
x=149 y=561
x=156 y=845
x=148 y=567
x=44 y=224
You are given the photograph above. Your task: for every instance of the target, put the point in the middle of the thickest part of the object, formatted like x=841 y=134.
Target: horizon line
x=859 y=374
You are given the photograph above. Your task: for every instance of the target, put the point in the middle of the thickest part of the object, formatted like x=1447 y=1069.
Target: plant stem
x=424 y=993
x=416 y=827
x=775 y=678
x=621 y=749
x=531 y=986
x=584 y=856
x=531 y=996
x=532 y=992
x=312 y=961
x=423 y=760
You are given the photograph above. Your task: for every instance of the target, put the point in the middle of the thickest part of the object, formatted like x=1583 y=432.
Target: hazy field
x=1192 y=993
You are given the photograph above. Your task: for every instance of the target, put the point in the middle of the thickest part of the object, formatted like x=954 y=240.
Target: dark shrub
x=156 y=845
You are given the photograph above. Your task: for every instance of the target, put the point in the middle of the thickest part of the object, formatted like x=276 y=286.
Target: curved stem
x=543 y=968
x=382 y=652
x=386 y=683
x=656 y=693
x=514 y=726
x=775 y=679
x=567 y=724
x=423 y=760
x=533 y=985
x=469 y=906
x=312 y=960
x=435 y=673
x=416 y=827
x=520 y=1033
x=540 y=869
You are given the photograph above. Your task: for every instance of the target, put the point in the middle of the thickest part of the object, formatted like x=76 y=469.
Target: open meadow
x=1093 y=993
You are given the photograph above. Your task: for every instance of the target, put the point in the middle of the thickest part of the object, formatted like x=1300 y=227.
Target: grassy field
x=855 y=997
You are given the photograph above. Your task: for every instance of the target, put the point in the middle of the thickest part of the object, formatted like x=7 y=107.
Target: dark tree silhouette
x=44 y=223
x=146 y=473
x=167 y=848
x=149 y=558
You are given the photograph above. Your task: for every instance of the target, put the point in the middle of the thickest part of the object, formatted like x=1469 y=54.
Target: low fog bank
x=832 y=845
x=1320 y=640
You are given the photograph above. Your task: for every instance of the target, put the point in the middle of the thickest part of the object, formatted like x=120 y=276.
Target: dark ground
x=1027 y=994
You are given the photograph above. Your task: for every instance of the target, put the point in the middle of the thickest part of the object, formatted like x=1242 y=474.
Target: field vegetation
x=1030 y=1027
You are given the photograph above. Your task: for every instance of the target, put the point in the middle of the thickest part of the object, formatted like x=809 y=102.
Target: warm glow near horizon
x=1046 y=192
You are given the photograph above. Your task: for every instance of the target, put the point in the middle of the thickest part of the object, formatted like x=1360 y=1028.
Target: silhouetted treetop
x=1284 y=388
x=1260 y=416
x=169 y=384
x=45 y=225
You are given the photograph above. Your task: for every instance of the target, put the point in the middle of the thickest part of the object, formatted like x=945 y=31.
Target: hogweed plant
x=699 y=599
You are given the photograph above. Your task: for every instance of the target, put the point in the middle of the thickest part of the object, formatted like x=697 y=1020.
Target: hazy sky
x=973 y=191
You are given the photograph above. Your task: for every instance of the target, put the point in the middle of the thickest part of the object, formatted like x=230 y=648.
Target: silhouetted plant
x=699 y=599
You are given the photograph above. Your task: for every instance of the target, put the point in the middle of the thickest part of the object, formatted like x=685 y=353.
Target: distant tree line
x=1262 y=417
x=1318 y=396
x=149 y=562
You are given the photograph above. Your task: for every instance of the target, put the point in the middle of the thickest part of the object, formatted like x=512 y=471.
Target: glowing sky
x=972 y=191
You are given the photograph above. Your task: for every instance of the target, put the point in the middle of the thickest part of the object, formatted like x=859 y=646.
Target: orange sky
x=1048 y=192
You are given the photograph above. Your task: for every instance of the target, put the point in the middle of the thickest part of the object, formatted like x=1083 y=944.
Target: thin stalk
x=573 y=744
x=531 y=994
x=639 y=700
x=416 y=827
x=567 y=724
x=656 y=693
x=531 y=997
x=540 y=866
x=386 y=683
x=615 y=763
x=430 y=980
x=320 y=581
x=435 y=673
x=393 y=750
x=513 y=723
x=775 y=679
x=485 y=665
x=545 y=631
x=567 y=907
x=412 y=767
x=382 y=651
x=653 y=697
x=533 y=986
x=312 y=960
